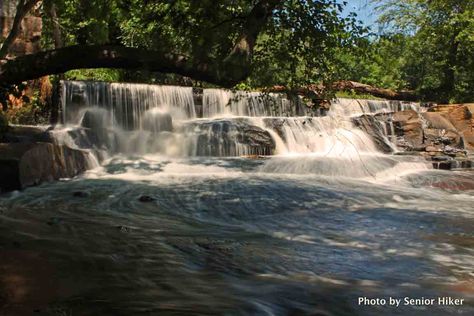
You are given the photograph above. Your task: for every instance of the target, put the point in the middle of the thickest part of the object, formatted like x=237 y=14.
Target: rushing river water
x=307 y=231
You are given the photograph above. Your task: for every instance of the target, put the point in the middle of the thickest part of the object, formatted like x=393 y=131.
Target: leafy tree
x=289 y=42
x=439 y=59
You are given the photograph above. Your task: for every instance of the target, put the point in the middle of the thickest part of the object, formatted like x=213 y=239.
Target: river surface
x=179 y=218
x=224 y=236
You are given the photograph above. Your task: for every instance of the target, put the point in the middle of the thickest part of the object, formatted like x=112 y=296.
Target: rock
x=146 y=198
x=81 y=194
x=433 y=148
x=461 y=117
x=123 y=229
x=438 y=121
x=3 y=124
x=442 y=158
x=254 y=157
x=27 y=164
x=229 y=137
x=376 y=126
x=463 y=164
x=443 y=165
x=26 y=134
x=409 y=126
x=277 y=125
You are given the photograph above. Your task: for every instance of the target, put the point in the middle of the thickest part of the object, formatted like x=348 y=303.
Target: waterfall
x=128 y=103
x=136 y=119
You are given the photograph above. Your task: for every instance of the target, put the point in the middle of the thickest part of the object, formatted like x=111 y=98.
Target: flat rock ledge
x=29 y=163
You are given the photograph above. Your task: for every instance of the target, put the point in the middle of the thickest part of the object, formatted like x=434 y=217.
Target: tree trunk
x=22 y=9
x=377 y=92
x=58 y=43
x=57 y=36
x=319 y=91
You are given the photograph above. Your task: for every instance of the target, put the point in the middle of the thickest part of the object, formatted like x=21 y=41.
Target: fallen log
x=319 y=92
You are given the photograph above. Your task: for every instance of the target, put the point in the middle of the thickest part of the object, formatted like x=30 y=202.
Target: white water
x=137 y=119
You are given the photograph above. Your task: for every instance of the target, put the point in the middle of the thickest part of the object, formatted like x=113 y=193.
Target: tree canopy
x=286 y=41
x=426 y=45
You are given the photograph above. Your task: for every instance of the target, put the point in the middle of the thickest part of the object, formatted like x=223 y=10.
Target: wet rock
x=438 y=121
x=443 y=165
x=123 y=229
x=277 y=125
x=96 y=117
x=229 y=137
x=442 y=137
x=146 y=198
x=442 y=158
x=376 y=126
x=81 y=194
x=27 y=164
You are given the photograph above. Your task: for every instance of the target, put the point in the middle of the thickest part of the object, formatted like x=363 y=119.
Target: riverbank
x=30 y=156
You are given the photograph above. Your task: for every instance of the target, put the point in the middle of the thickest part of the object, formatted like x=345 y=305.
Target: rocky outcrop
x=408 y=125
x=402 y=130
x=229 y=137
x=26 y=134
x=461 y=117
x=443 y=134
x=376 y=126
x=27 y=164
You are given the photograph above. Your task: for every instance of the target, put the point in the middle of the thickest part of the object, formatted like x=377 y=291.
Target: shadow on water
x=231 y=244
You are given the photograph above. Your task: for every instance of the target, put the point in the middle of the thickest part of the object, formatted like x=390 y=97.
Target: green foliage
x=355 y=95
x=31 y=111
x=100 y=74
x=299 y=46
x=427 y=47
x=295 y=48
x=375 y=61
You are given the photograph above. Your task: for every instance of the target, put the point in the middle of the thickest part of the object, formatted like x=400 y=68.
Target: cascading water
x=150 y=119
x=307 y=229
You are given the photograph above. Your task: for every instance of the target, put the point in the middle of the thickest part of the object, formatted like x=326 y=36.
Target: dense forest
x=423 y=46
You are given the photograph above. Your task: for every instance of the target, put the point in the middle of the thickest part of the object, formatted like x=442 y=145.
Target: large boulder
x=408 y=125
x=24 y=133
x=27 y=164
x=461 y=117
x=228 y=137
x=377 y=127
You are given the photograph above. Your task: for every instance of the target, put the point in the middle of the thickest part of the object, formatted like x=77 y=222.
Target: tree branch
x=61 y=60
x=258 y=17
x=228 y=72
